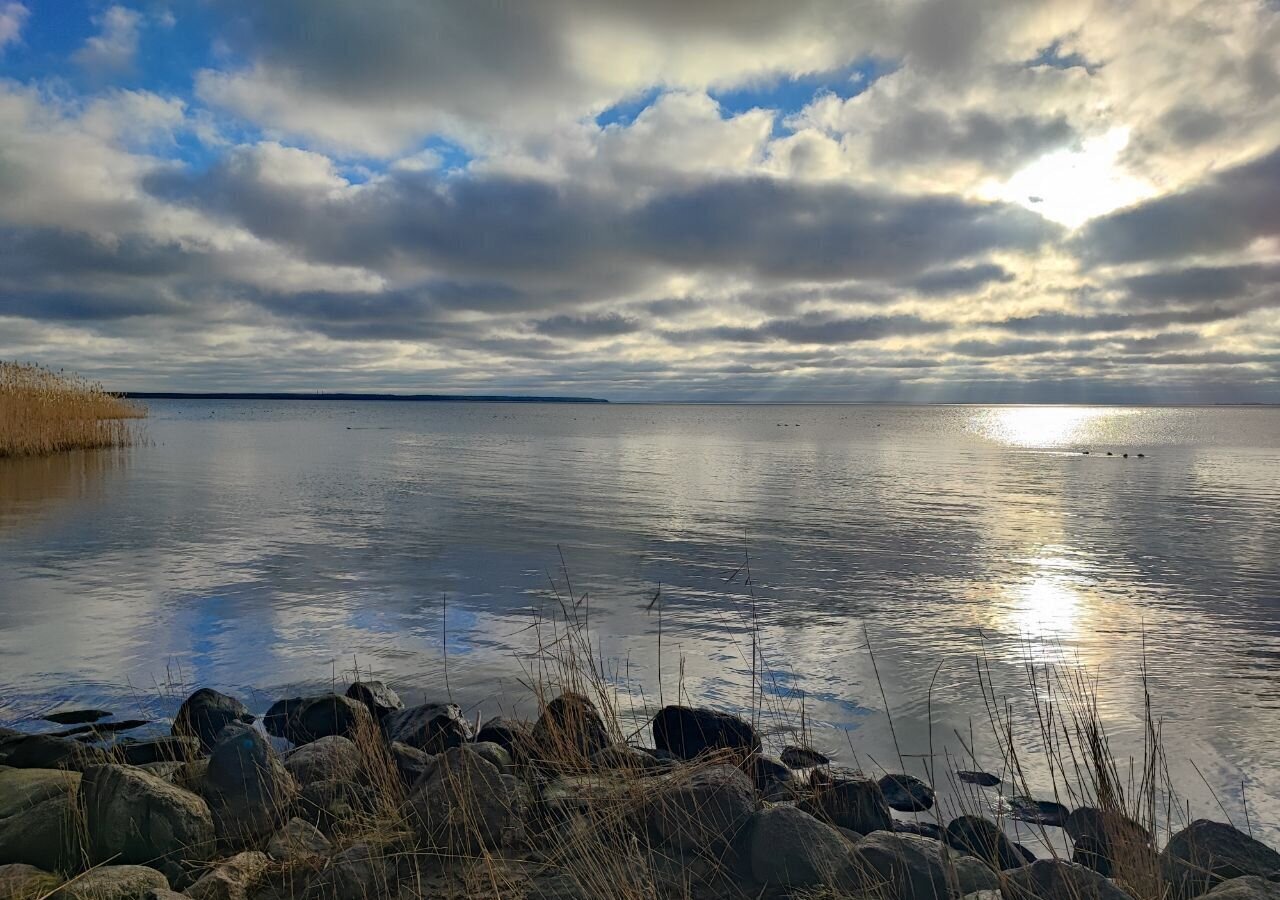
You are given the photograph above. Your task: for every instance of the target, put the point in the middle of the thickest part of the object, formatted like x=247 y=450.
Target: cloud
x=12 y=17
x=1228 y=211
x=597 y=326
x=113 y=48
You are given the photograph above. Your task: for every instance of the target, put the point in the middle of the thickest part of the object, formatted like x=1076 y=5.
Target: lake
x=871 y=556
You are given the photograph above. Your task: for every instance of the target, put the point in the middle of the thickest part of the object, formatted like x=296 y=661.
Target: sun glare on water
x=1038 y=426
x=1076 y=184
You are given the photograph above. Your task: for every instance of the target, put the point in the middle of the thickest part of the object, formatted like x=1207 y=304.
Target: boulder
x=1249 y=887
x=276 y=719
x=114 y=883
x=849 y=800
x=495 y=754
x=789 y=847
x=298 y=840
x=1101 y=837
x=325 y=758
x=909 y=866
x=230 y=879
x=982 y=779
x=1205 y=853
x=1051 y=879
x=465 y=804
x=38 y=817
x=248 y=789
x=169 y=771
x=704 y=809
x=432 y=727
x=803 y=757
x=906 y=793
x=360 y=872
x=134 y=817
x=325 y=716
x=334 y=802
x=624 y=756
x=376 y=696
x=772 y=779
x=973 y=875
x=1041 y=812
x=410 y=762
x=983 y=838
x=19 y=881
x=570 y=729
x=207 y=712
x=923 y=829
x=688 y=732
x=512 y=735
x=164 y=749
x=43 y=751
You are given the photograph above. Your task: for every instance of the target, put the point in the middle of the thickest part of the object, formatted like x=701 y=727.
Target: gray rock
x=230 y=879
x=167 y=770
x=848 y=800
x=803 y=757
x=983 y=895
x=911 y=867
x=495 y=754
x=464 y=804
x=360 y=872
x=377 y=697
x=326 y=716
x=1051 y=879
x=432 y=727
x=1041 y=812
x=688 y=732
x=42 y=751
x=207 y=712
x=973 y=875
x=325 y=758
x=982 y=779
x=625 y=757
x=703 y=809
x=331 y=803
x=512 y=735
x=772 y=779
x=570 y=729
x=983 y=838
x=1249 y=887
x=276 y=719
x=906 y=793
x=114 y=883
x=134 y=817
x=19 y=881
x=165 y=749
x=298 y=840
x=923 y=829
x=411 y=763
x=38 y=817
x=248 y=789
x=790 y=847
x=1206 y=853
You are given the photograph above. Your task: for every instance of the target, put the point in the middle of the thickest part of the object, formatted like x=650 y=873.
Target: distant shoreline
x=412 y=398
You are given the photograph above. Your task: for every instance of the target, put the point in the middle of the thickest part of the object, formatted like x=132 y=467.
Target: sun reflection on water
x=1040 y=426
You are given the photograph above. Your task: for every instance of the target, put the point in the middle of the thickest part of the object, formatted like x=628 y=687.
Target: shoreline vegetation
x=407 y=398
x=44 y=412
x=352 y=795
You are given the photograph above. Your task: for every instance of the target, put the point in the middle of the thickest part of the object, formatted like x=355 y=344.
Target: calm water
x=270 y=545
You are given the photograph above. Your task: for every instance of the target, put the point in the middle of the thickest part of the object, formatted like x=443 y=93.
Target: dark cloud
x=813 y=329
x=609 y=325
x=960 y=280
x=922 y=136
x=1227 y=212
x=1198 y=283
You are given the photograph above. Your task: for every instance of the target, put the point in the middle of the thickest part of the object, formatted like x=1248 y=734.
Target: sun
x=1073 y=185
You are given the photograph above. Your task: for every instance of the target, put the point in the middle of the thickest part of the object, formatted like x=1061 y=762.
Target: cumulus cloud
x=113 y=48
x=12 y=17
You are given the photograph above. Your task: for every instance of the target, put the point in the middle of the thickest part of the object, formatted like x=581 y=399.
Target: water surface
x=262 y=546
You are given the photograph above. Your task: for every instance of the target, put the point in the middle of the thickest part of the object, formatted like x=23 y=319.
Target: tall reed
x=43 y=412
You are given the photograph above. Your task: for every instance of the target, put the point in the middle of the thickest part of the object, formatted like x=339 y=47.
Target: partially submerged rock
x=43 y=751
x=376 y=696
x=206 y=712
x=75 y=716
x=982 y=779
x=163 y=749
x=1101 y=837
x=983 y=839
x=1205 y=853
x=1041 y=812
x=433 y=727
x=688 y=732
x=906 y=793
x=803 y=757
x=134 y=817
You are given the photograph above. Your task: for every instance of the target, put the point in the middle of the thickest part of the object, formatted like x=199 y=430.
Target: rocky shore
x=354 y=795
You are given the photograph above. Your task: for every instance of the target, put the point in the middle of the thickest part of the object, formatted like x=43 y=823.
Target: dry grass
x=43 y=412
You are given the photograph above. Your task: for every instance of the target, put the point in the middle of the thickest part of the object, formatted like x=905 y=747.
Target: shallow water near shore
x=262 y=547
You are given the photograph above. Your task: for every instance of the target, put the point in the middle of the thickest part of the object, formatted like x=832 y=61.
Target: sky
x=729 y=200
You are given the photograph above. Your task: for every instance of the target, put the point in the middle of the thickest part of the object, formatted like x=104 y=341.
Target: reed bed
x=43 y=411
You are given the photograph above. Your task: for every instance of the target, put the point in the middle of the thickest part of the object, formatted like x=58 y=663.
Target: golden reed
x=42 y=411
